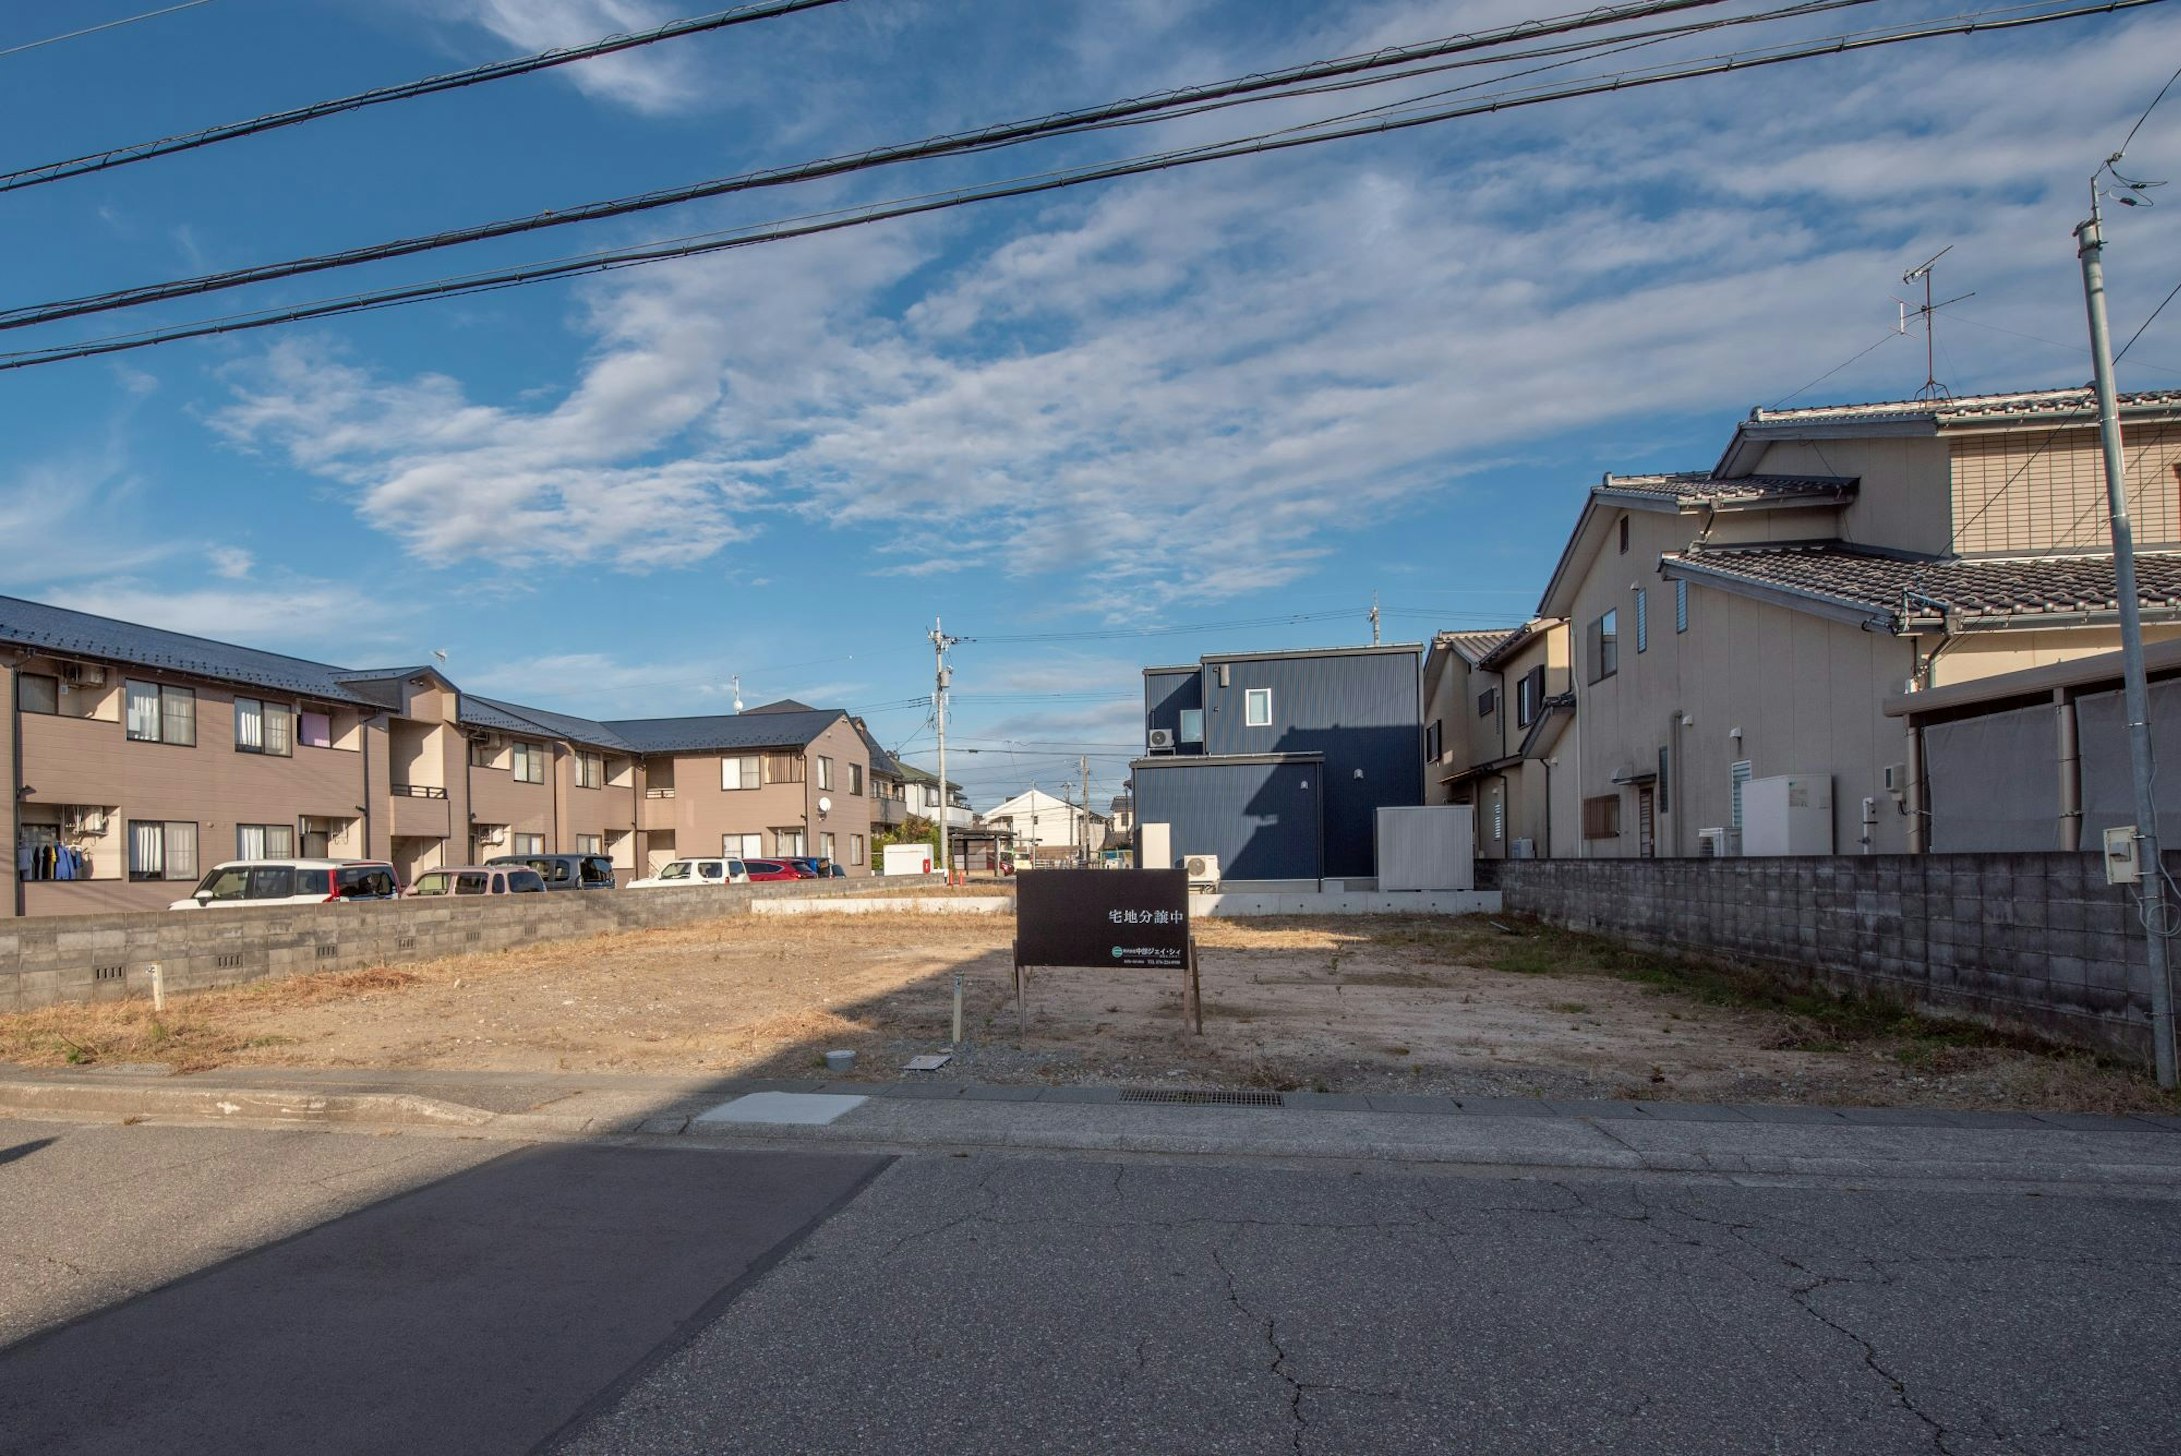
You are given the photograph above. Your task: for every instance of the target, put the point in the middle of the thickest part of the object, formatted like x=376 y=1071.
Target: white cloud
x=650 y=79
x=231 y=563
x=332 y=622
x=1180 y=389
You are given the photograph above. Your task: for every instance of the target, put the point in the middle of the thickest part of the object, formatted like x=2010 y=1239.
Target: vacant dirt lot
x=1340 y=1005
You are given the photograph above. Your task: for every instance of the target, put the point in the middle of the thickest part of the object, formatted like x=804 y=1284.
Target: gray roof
x=1902 y=593
x=1972 y=408
x=483 y=712
x=781 y=729
x=882 y=762
x=1703 y=488
x=80 y=634
x=1475 y=646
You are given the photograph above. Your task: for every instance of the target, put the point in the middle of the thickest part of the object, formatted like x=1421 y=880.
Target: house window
x=529 y=763
x=1643 y=620
x=742 y=846
x=530 y=843
x=931 y=796
x=1257 y=708
x=162 y=851
x=784 y=768
x=855 y=849
x=855 y=778
x=1738 y=774
x=587 y=843
x=1434 y=739
x=590 y=770
x=37 y=693
x=787 y=841
x=825 y=772
x=1487 y=702
x=1681 y=606
x=1624 y=535
x=1605 y=646
x=825 y=845
x=746 y=772
x=264 y=841
x=1192 y=726
x=262 y=727
x=1602 y=817
x=158 y=714
x=1529 y=696
x=314 y=730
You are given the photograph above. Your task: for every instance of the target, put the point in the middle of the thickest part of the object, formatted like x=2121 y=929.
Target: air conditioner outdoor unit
x=1161 y=739
x=496 y=834
x=90 y=822
x=1711 y=843
x=1202 y=869
x=83 y=675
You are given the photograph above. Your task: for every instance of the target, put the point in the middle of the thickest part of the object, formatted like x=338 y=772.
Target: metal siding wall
x=1994 y=782
x=1261 y=819
x=1362 y=712
x=2108 y=782
x=1165 y=695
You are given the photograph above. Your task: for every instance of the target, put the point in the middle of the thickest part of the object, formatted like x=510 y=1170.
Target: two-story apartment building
x=138 y=758
x=1276 y=763
x=1750 y=621
x=1506 y=699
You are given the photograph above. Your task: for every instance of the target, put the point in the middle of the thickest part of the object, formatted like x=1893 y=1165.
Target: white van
x=254 y=883
x=695 y=872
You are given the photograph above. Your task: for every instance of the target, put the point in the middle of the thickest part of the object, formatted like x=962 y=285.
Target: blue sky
x=1228 y=393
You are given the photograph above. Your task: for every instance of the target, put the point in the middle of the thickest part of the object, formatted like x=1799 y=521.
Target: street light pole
x=2090 y=247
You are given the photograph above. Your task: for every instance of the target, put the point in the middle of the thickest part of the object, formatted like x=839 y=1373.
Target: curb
x=30 y=1099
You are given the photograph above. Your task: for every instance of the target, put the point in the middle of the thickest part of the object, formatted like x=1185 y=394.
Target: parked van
x=564 y=871
x=695 y=872
x=264 y=882
x=485 y=879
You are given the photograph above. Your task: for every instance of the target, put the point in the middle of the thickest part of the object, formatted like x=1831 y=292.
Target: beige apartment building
x=139 y=758
x=1750 y=622
x=1493 y=722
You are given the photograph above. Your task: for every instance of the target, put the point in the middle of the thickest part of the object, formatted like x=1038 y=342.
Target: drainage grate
x=405 y=942
x=227 y=962
x=328 y=952
x=1200 y=1099
x=105 y=973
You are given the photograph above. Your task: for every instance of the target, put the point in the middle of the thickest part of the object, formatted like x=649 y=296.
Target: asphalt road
x=289 y=1291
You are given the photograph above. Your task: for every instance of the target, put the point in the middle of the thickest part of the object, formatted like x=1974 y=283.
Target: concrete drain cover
x=799 y=1109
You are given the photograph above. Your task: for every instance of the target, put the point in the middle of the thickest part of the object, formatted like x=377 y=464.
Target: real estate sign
x=1102 y=918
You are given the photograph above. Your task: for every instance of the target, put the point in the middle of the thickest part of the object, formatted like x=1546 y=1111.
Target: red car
x=762 y=870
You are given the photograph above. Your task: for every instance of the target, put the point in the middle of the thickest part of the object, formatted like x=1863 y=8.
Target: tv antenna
x=736 y=682
x=1928 y=313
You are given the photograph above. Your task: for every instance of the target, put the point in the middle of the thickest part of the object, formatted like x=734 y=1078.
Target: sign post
x=1087 y=918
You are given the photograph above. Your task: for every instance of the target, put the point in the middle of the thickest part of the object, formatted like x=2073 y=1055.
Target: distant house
x=1278 y=762
x=921 y=787
x=1048 y=827
x=889 y=791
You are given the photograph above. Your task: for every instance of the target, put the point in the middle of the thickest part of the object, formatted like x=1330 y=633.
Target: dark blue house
x=1278 y=762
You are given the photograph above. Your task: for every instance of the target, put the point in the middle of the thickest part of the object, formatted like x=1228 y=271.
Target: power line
x=986 y=138
x=31 y=45
x=2146 y=116
x=90 y=162
x=1974 y=23
x=2146 y=324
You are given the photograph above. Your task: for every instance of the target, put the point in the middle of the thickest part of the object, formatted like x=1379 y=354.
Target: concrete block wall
x=2028 y=942
x=84 y=958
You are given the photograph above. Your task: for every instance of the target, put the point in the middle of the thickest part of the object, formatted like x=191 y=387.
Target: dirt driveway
x=1380 y=1004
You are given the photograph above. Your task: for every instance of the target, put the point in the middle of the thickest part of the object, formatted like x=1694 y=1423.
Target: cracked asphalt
x=1008 y=1304
x=472 y=1294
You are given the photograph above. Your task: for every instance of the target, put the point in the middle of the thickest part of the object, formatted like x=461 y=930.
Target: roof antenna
x=1928 y=313
x=441 y=654
x=737 y=681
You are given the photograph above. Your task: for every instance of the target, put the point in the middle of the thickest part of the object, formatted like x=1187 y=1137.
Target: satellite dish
x=825 y=805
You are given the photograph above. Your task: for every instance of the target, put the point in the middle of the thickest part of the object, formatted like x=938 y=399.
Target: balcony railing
x=659 y=793
x=418 y=791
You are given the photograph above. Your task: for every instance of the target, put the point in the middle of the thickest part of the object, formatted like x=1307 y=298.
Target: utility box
x=1427 y=847
x=908 y=859
x=1154 y=846
x=1788 y=814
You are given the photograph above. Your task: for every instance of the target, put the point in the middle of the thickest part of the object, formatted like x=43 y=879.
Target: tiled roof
x=789 y=729
x=1473 y=646
x=1969 y=408
x=1899 y=592
x=882 y=762
x=80 y=634
x=1702 y=487
x=483 y=712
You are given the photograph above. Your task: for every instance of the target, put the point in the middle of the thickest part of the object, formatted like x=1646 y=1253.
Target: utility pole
x=1082 y=776
x=942 y=679
x=1374 y=619
x=2090 y=247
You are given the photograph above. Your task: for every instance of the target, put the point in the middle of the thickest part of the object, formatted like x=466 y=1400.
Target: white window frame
x=1257 y=707
x=1182 y=726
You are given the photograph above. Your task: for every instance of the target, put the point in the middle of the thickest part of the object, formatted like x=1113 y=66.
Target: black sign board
x=1102 y=918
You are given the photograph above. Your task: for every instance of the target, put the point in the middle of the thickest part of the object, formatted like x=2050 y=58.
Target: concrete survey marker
x=796 y=1109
